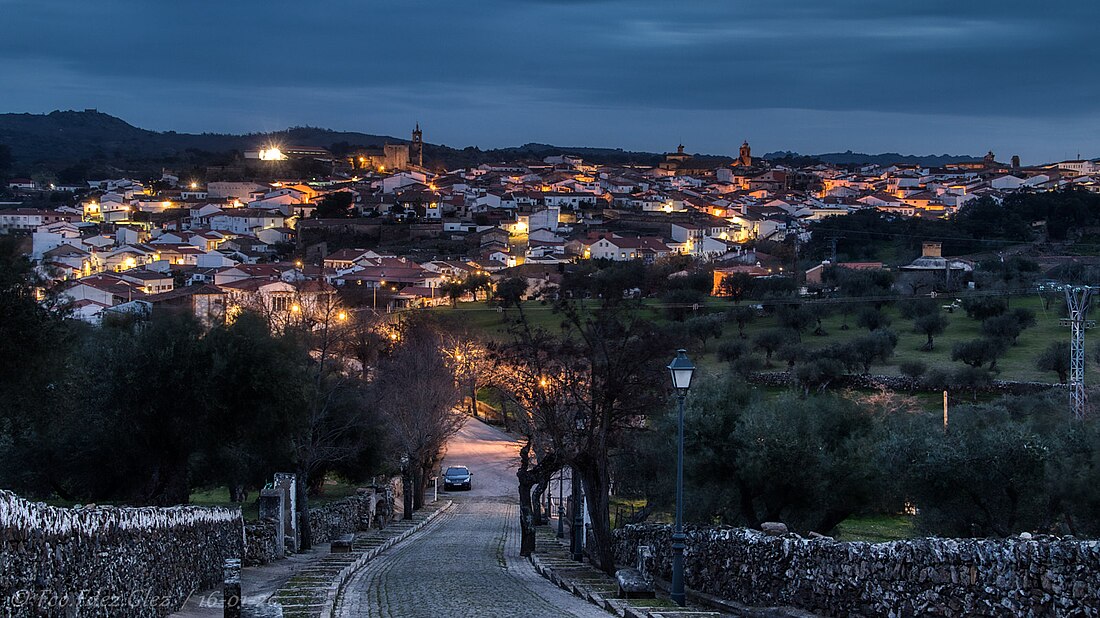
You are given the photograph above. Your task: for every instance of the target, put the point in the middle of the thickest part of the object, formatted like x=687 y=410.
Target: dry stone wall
x=373 y=508
x=261 y=542
x=899 y=383
x=1043 y=576
x=110 y=561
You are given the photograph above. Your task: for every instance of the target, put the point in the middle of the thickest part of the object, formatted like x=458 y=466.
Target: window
x=280 y=303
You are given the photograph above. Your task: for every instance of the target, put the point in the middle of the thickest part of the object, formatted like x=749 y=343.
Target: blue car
x=457 y=477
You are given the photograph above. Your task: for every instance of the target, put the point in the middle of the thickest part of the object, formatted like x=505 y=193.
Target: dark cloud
x=824 y=74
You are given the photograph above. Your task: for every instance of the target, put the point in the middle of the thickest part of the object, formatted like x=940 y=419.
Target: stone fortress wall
x=110 y=561
x=1041 y=576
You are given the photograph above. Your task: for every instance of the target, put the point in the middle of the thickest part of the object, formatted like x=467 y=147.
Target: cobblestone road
x=466 y=563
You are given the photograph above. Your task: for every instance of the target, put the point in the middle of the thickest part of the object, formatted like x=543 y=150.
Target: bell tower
x=744 y=155
x=416 y=149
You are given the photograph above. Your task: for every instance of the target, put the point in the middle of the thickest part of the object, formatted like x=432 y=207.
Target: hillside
x=60 y=139
x=69 y=137
x=886 y=158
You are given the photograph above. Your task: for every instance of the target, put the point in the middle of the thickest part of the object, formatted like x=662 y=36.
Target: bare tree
x=415 y=387
x=580 y=389
x=335 y=425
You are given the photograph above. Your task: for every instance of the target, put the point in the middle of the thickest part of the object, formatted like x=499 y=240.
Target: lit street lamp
x=381 y=281
x=681 y=369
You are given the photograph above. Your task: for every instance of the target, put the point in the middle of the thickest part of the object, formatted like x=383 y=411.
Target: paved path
x=467 y=562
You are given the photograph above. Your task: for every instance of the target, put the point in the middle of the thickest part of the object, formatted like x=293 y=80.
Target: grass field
x=1017 y=364
x=219 y=496
x=875 y=528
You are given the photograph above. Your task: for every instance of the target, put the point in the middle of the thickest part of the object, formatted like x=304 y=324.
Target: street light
x=577 y=528
x=381 y=281
x=681 y=370
x=561 y=504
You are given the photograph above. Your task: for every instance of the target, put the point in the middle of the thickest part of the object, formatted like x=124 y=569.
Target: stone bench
x=633 y=585
x=342 y=544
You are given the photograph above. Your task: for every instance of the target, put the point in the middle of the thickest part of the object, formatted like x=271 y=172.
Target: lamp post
x=381 y=281
x=561 y=504
x=577 y=528
x=681 y=369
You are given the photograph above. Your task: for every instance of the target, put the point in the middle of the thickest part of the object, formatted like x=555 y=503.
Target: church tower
x=416 y=149
x=744 y=155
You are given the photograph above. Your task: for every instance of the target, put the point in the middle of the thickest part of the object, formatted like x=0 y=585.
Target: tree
x=876 y=347
x=416 y=386
x=804 y=461
x=510 y=292
x=912 y=369
x=335 y=422
x=978 y=352
x=914 y=308
x=337 y=205
x=580 y=389
x=1006 y=327
x=737 y=354
x=982 y=308
x=791 y=353
x=930 y=325
x=1055 y=358
x=872 y=319
x=477 y=282
x=743 y=316
x=454 y=290
x=704 y=327
x=250 y=367
x=5 y=159
x=769 y=341
x=984 y=477
x=736 y=286
x=797 y=318
x=815 y=374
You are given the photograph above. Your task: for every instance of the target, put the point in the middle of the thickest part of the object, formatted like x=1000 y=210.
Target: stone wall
x=1044 y=576
x=261 y=542
x=373 y=508
x=110 y=561
x=899 y=383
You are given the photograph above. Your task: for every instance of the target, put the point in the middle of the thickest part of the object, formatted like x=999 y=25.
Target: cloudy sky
x=958 y=76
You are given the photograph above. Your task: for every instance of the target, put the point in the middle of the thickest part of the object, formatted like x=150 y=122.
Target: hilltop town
x=407 y=234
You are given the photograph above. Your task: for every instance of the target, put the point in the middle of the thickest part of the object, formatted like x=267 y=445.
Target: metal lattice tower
x=1077 y=301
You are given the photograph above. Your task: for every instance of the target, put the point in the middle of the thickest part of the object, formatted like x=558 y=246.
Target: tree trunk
x=526 y=481
x=238 y=493
x=407 y=492
x=418 y=488
x=169 y=485
x=596 y=479
x=305 y=531
x=541 y=515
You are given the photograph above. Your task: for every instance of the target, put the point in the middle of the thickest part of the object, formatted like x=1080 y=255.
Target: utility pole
x=1077 y=301
x=945 y=411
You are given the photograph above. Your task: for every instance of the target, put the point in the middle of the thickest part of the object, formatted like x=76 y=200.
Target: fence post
x=231 y=588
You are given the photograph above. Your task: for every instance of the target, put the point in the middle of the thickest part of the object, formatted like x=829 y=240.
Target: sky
x=812 y=76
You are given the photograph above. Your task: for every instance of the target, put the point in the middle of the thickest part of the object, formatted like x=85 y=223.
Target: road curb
x=336 y=588
x=597 y=595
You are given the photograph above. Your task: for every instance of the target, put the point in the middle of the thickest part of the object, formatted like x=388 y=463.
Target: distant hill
x=90 y=141
x=70 y=136
x=886 y=158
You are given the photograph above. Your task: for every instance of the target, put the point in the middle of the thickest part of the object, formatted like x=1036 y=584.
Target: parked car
x=457 y=477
